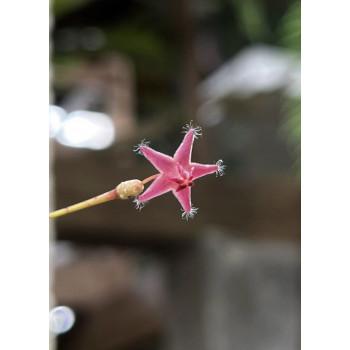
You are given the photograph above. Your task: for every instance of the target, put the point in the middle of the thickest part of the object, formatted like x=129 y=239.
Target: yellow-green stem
x=105 y=197
x=124 y=190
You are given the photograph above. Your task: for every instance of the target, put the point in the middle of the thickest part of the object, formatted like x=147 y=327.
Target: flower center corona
x=183 y=179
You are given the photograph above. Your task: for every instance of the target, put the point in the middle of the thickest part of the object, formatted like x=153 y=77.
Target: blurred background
x=123 y=71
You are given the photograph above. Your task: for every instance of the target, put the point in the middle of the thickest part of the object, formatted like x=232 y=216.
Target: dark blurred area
x=123 y=71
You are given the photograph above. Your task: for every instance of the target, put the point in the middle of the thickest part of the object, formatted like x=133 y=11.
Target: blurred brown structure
x=105 y=84
x=229 y=279
x=99 y=286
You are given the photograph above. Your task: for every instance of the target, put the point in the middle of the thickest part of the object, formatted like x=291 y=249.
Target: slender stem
x=105 y=197
x=150 y=178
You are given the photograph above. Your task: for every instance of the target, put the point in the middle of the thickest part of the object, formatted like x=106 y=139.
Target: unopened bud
x=130 y=188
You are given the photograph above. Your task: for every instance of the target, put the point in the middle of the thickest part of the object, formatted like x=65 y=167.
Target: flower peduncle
x=150 y=178
x=124 y=190
x=137 y=148
x=189 y=214
x=197 y=130
x=221 y=168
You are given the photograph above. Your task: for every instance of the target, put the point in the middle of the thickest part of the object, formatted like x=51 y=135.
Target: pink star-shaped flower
x=177 y=174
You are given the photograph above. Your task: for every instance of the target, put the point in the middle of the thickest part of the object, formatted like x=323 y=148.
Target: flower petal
x=158 y=187
x=184 y=197
x=183 y=153
x=200 y=170
x=161 y=161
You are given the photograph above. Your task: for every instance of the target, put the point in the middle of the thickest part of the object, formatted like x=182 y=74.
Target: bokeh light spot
x=85 y=129
x=56 y=116
x=62 y=319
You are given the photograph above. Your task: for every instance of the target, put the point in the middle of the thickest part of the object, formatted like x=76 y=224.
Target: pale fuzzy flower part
x=143 y=143
x=140 y=205
x=221 y=168
x=189 y=215
x=197 y=130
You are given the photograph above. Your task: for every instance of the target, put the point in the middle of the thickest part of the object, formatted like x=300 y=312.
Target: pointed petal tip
x=140 y=199
x=184 y=151
x=184 y=197
x=200 y=170
x=142 y=148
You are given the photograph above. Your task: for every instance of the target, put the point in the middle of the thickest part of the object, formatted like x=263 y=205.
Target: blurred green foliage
x=290 y=28
x=62 y=7
x=136 y=42
x=291 y=128
x=252 y=19
x=290 y=38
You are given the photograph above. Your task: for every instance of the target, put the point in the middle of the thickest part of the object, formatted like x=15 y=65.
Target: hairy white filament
x=197 y=130
x=189 y=215
x=140 y=205
x=141 y=144
x=221 y=168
